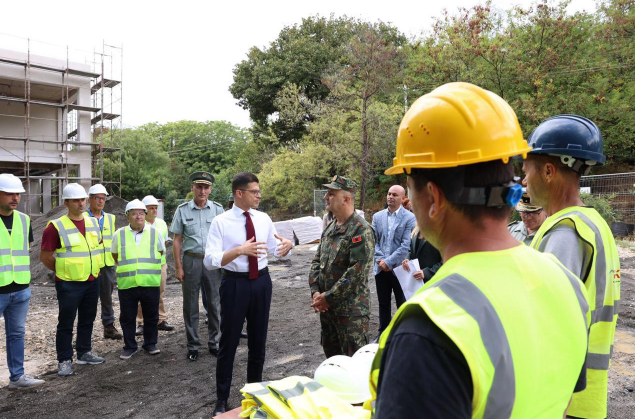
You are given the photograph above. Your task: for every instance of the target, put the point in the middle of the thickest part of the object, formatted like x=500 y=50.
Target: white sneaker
x=26 y=381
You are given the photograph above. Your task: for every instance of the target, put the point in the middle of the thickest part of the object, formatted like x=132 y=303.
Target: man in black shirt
x=14 y=278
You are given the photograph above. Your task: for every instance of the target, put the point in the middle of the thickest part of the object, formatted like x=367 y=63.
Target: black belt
x=261 y=272
x=194 y=255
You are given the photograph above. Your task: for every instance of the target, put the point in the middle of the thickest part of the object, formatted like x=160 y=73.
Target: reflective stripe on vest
x=603 y=286
x=515 y=374
x=138 y=266
x=79 y=255
x=14 y=251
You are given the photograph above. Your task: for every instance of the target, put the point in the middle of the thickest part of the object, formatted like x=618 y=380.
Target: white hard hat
x=150 y=200
x=135 y=204
x=74 y=191
x=345 y=377
x=98 y=188
x=365 y=355
x=10 y=183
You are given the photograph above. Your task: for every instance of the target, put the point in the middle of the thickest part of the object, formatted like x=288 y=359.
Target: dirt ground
x=167 y=385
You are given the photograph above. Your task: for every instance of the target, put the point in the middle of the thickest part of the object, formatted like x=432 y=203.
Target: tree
x=372 y=67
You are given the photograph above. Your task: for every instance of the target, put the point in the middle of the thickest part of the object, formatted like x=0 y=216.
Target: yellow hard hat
x=454 y=125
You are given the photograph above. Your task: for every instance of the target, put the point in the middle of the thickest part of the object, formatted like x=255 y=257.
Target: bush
x=602 y=204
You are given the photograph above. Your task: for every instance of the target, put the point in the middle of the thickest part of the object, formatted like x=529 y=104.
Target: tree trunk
x=365 y=152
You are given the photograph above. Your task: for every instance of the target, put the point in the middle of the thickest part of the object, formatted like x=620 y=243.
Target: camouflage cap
x=524 y=205
x=202 y=177
x=340 y=182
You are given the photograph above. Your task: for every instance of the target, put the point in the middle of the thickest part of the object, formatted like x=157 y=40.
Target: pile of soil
x=114 y=205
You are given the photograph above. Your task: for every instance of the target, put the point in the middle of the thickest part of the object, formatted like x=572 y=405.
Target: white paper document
x=408 y=283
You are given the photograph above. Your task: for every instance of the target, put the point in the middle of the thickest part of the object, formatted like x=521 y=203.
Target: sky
x=178 y=56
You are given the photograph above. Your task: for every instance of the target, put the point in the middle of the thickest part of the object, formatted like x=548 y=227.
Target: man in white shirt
x=237 y=242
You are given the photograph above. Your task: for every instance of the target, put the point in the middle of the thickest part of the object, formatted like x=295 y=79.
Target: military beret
x=340 y=182
x=202 y=177
x=524 y=205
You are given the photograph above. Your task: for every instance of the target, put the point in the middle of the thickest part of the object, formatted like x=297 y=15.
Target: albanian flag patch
x=357 y=239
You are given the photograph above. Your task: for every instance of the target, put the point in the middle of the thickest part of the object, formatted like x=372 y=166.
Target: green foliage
x=602 y=204
x=288 y=180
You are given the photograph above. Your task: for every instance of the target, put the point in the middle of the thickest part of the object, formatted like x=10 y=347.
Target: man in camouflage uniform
x=531 y=217
x=339 y=272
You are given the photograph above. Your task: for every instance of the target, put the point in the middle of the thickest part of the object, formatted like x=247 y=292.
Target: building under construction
x=59 y=119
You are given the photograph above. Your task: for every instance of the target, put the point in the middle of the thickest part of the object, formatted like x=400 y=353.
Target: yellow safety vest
x=107 y=234
x=603 y=286
x=80 y=256
x=160 y=225
x=519 y=319
x=14 y=251
x=295 y=397
x=138 y=266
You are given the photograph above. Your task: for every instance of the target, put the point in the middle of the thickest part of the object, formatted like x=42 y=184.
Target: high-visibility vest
x=603 y=286
x=295 y=397
x=14 y=251
x=80 y=255
x=162 y=227
x=138 y=266
x=520 y=320
x=107 y=234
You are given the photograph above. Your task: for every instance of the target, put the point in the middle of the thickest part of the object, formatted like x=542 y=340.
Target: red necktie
x=253 y=260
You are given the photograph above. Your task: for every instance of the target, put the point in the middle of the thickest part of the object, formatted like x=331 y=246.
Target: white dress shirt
x=228 y=231
x=137 y=238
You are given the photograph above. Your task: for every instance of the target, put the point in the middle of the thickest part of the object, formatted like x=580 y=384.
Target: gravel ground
x=167 y=385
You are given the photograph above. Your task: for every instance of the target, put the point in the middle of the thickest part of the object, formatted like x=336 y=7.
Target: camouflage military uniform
x=340 y=268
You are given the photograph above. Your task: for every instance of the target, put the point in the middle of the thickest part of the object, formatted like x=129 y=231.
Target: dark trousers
x=242 y=298
x=129 y=300
x=75 y=299
x=107 y=280
x=387 y=283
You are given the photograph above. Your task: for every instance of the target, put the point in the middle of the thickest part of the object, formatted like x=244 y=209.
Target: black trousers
x=242 y=298
x=75 y=299
x=387 y=283
x=129 y=300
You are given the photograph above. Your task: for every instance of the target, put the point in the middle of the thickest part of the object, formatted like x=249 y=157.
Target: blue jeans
x=14 y=307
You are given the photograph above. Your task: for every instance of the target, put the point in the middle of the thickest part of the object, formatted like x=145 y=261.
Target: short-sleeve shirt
x=137 y=238
x=14 y=287
x=51 y=240
x=193 y=224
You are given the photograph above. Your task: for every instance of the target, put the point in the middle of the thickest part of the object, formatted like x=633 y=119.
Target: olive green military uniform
x=518 y=230
x=340 y=269
x=193 y=223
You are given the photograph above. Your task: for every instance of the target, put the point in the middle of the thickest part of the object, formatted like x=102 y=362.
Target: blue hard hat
x=569 y=135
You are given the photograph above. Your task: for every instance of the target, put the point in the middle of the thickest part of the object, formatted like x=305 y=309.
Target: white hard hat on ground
x=10 y=183
x=74 y=191
x=345 y=377
x=150 y=200
x=98 y=188
x=135 y=204
x=365 y=355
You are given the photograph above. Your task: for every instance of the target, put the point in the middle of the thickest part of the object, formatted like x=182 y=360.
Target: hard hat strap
x=577 y=165
x=489 y=196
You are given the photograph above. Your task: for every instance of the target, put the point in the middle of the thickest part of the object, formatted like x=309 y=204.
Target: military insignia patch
x=357 y=239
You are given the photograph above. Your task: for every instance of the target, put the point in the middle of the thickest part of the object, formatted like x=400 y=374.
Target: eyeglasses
x=98 y=198
x=255 y=192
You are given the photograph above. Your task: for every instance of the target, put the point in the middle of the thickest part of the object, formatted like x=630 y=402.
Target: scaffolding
x=85 y=113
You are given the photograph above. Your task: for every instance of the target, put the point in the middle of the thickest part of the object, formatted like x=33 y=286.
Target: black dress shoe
x=192 y=355
x=221 y=407
x=213 y=351
x=243 y=334
x=165 y=326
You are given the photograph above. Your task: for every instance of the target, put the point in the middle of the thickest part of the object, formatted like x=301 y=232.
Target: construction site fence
x=619 y=188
